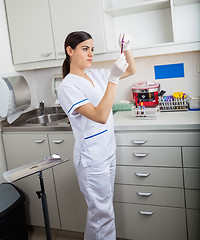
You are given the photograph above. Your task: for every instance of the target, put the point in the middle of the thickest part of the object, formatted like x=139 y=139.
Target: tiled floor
x=38 y=233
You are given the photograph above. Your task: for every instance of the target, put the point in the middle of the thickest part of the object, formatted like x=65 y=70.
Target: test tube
x=122 y=44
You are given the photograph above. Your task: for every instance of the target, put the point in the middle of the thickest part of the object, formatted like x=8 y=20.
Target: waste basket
x=12 y=213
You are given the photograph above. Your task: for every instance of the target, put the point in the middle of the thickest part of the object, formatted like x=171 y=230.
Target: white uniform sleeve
x=70 y=98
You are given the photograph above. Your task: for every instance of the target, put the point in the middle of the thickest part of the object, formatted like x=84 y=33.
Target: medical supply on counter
x=147 y=93
x=122 y=105
x=175 y=102
x=194 y=103
x=142 y=112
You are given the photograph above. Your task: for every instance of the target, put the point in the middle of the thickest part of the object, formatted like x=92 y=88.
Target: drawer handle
x=58 y=141
x=142 y=174
x=139 y=142
x=144 y=194
x=46 y=54
x=140 y=154
x=39 y=141
x=146 y=213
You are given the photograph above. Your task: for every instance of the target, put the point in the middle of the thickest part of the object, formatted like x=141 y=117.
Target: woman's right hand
x=118 y=69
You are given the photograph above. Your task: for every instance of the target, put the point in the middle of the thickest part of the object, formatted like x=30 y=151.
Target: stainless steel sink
x=52 y=119
x=47 y=118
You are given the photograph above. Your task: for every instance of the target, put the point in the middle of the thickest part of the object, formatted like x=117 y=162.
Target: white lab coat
x=94 y=151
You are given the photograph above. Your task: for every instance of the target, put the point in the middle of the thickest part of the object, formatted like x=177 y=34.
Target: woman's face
x=82 y=55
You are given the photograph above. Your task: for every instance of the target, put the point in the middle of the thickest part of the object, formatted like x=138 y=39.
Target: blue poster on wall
x=169 y=71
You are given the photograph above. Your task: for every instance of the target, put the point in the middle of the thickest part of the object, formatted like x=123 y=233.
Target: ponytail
x=72 y=40
x=66 y=66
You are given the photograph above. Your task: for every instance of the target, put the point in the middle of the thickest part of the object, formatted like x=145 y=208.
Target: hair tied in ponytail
x=72 y=40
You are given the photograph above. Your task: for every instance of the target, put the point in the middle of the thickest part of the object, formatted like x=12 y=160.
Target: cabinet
x=191 y=164
x=151 y=185
x=23 y=148
x=38 y=29
x=68 y=16
x=30 y=30
x=71 y=203
x=67 y=207
x=153 y=23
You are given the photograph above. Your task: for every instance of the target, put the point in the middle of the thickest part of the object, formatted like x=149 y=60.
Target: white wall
x=5 y=67
x=5 y=54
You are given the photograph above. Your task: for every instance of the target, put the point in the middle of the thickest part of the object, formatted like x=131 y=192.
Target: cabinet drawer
x=191 y=157
x=149 y=156
x=192 y=199
x=24 y=148
x=193 y=220
x=141 y=222
x=192 y=178
x=170 y=197
x=158 y=138
x=150 y=176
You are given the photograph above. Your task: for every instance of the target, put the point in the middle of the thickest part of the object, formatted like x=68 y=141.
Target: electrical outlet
x=198 y=67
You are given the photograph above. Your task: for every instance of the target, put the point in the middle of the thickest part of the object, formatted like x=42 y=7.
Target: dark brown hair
x=72 y=40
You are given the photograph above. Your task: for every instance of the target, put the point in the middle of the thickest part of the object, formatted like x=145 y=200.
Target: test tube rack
x=146 y=113
x=173 y=105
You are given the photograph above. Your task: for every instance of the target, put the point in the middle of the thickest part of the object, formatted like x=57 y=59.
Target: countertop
x=123 y=120
x=182 y=120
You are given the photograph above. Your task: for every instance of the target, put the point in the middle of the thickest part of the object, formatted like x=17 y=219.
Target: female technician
x=87 y=96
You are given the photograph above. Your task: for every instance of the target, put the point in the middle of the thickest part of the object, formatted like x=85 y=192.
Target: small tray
x=30 y=169
x=147 y=113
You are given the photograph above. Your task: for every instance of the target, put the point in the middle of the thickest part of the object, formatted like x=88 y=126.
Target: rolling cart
x=33 y=168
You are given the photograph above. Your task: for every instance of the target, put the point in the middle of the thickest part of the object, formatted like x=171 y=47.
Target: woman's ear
x=69 y=50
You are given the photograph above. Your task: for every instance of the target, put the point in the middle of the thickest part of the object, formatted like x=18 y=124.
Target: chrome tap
x=41 y=108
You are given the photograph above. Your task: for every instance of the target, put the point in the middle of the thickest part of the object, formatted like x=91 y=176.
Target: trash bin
x=12 y=213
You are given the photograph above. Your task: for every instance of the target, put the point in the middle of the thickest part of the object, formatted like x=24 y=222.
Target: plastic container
x=194 y=103
x=12 y=213
x=147 y=93
x=122 y=107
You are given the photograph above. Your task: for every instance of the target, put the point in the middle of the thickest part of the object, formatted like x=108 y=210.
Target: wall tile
x=185 y=58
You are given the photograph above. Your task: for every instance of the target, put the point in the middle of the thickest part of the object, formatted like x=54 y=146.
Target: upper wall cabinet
x=38 y=28
x=68 y=16
x=30 y=30
x=152 y=22
x=186 y=15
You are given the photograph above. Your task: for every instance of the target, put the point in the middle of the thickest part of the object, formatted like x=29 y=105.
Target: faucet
x=41 y=108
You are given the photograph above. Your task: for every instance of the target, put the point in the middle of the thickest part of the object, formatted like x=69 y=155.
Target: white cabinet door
x=30 y=30
x=68 y=16
x=24 y=148
x=71 y=204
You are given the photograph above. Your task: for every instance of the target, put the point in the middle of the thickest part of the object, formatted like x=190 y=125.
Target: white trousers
x=97 y=184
